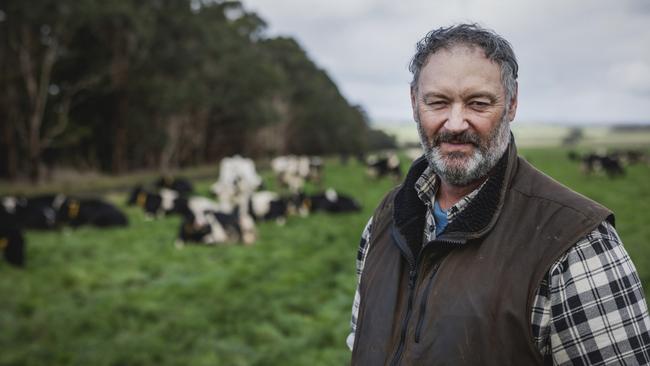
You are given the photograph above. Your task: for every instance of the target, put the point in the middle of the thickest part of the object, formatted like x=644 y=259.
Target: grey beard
x=459 y=170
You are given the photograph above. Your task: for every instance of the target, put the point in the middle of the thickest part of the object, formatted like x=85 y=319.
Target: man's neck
x=448 y=195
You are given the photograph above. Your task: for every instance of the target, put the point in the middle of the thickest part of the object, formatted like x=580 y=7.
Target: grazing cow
x=331 y=201
x=77 y=212
x=610 y=164
x=12 y=243
x=630 y=156
x=153 y=204
x=181 y=185
x=38 y=212
x=384 y=166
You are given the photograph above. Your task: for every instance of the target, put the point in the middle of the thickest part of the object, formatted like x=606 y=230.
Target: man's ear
x=512 y=111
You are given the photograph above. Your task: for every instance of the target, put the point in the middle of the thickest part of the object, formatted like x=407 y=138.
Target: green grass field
x=128 y=297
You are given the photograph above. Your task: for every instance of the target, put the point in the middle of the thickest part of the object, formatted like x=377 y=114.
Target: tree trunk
x=37 y=83
x=119 y=162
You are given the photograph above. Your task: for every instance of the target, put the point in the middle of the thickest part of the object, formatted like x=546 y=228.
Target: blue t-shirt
x=441 y=218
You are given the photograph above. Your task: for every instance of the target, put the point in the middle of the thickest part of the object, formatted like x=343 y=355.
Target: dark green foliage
x=127 y=297
x=380 y=140
x=123 y=85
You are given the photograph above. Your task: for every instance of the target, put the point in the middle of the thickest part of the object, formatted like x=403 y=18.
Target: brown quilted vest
x=466 y=297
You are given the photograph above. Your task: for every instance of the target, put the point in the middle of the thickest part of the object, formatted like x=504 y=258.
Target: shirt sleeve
x=361 y=259
x=590 y=309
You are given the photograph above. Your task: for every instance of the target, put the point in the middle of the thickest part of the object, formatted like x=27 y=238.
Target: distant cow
x=154 y=204
x=610 y=164
x=333 y=202
x=266 y=205
x=293 y=171
x=237 y=179
x=181 y=185
x=384 y=166
x=12 y=243
x=195 y=208
x=77 y=212
x=630 y=156
x=204 y=225
x=37 y=212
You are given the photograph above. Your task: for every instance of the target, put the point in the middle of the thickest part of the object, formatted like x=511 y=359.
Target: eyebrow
x=434 y=95
x=493 y=98
x=480 y=94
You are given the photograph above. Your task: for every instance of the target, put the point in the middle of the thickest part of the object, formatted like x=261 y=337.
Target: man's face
x=460 y=107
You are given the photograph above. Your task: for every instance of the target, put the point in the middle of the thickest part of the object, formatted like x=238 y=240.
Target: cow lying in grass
x=267 y=205
x=38 y=212
x=179 y=185
x=204 y=222
x=12 y=244
x=153 y=204
x=333 y=202
x=77 y=212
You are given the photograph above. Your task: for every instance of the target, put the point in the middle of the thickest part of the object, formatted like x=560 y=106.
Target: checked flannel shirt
x=589 y=309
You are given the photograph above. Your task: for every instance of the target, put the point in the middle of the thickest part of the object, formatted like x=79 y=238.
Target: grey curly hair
x=496 y=49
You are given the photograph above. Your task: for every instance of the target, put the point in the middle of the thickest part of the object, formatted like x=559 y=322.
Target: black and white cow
x=180 y=185
x=12 y=243
x=595 y=163
x=267 y=205
x=293 y=171
x=90 y=211
x=238 y=179
x=203 y=222
x=153 y=204
x=333 y=202
x=384 y=166
x=37 y=212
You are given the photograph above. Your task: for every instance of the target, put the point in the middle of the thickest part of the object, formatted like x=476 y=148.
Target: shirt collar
x=427 y=185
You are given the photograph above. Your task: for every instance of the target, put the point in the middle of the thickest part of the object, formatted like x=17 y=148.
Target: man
x=477 y=258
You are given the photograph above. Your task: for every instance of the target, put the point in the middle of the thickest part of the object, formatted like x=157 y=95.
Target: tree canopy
x=122 y=85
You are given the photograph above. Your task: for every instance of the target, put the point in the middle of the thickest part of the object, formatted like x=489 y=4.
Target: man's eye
x=436 y=103
x=479 y=104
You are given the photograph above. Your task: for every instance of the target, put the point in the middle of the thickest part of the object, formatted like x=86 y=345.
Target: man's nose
x=456 y=121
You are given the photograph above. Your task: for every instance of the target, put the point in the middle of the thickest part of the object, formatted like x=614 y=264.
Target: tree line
x=128 y=84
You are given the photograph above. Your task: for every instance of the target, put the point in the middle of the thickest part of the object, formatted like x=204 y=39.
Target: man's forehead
x=460 y=70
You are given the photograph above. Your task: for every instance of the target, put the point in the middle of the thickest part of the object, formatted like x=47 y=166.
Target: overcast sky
x=580 y=61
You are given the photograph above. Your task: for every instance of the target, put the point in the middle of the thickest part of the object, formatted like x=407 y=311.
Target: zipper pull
x=412 y=275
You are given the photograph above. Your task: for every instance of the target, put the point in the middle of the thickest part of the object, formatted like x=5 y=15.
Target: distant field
x=531 y=135
x=128 y=297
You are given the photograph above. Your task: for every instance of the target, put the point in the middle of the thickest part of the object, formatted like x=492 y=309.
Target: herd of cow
x=239 y=202
x=612 y=164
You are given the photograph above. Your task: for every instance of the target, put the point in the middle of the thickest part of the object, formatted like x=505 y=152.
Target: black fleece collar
x=472 y=222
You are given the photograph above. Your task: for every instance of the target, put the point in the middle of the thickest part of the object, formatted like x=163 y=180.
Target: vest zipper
x=402 y=338
x=438 y=258
x=413 y=274
x=414 y=264
x=423 y=303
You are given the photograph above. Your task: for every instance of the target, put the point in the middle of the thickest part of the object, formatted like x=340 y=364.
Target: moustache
x=465 y=137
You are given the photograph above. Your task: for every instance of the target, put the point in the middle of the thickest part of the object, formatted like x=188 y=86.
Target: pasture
x=128 y=297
